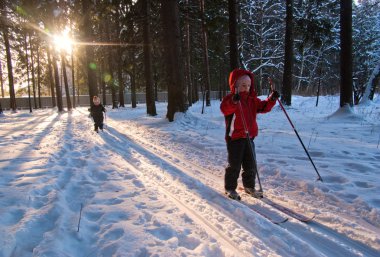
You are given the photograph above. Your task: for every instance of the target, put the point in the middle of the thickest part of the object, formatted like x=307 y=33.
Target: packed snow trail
x=341 y=245
x=194 y=198
x=152 y=187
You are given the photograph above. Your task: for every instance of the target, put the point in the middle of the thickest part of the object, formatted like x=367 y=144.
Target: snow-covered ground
x=147 y=187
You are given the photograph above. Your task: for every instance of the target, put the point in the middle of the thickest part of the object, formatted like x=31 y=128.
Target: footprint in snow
x=188 y=242
x=99 y=175
x=115 y=216
x=363 y=184
x=143 y=218
x=129 y=176
x=138 y=183
x=78 y=162
x=162 y=233
x=93 y=215
x=335 y=179
x=357 y=167
x=114 y=234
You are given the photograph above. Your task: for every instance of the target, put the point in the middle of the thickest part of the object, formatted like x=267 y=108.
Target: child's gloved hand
x=274 y=95
x=236 y=98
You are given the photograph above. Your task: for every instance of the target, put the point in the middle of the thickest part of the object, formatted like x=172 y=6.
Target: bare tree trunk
x=259 y=87
x=102 y=82
x=346 y=53
x=206 y=70
x=51 y=79
x=133 y=87
x=1 y=80
x=233 y=34
x=131 y=57
x=188 y=56
x=12 y=94
x=120 y=63
x=32 y=70
x=150 y=103
x=27 y=71
x=172 y=50
x=72 y=76
x=89 y=51
x=288 y=63
x=120 y=78
x=57 y=86
x=68 y=100
x=111 y=83
x=39 y=77
x=73 y=68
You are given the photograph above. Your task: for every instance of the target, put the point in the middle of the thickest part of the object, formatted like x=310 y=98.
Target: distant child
x=97 y=113
x=240 y=108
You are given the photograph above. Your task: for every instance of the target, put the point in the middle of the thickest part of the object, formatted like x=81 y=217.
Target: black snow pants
x=239 y=156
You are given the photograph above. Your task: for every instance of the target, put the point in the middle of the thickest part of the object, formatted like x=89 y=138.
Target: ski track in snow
x=161 y=192
x=322 y=236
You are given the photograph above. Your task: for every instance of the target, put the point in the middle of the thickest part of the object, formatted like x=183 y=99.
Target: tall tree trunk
x=68 y=100
x=206 y=65
x=259 y=86
x=288 y=62
x=57 y=86
x=120 y=77
x=233 y=34
x=346 y=53
x=120 y=61
x=1 y=80
x=32 y=70
x=103 y=70
x=72 y=76
x=133 y=87
x=51 y=78
x=4 y=29
x=27 y=71
x=89 y=51
x=72 y=67
x=112 y=81
x=102 y=81
x=150 y=103
x=188 y=56
x=39 y=77
x=131 y=58
x=172 y=52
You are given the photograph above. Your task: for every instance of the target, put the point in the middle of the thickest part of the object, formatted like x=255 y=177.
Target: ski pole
x=299 y=138
x=249 y=143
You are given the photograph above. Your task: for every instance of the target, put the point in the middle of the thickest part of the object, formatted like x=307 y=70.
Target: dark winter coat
x=97 y=113
x=251 y=106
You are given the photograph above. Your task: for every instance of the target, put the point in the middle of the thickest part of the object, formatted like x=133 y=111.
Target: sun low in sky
x=63 y=42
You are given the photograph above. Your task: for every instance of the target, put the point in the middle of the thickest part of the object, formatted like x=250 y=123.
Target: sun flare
x=63 y=43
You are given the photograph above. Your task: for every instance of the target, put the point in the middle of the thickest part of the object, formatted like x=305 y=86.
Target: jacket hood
x=235 y=75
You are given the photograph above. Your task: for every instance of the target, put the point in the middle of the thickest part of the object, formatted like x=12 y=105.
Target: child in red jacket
x=240 y=108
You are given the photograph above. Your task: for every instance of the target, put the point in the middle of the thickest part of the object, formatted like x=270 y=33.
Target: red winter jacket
x=251 y=105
